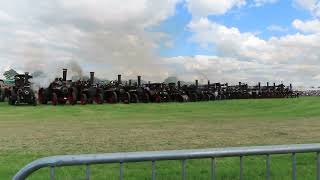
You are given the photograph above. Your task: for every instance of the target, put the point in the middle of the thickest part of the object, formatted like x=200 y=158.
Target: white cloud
x=263 y=2
x=292 y=58
x=141 y=12
x=311 y=26
x=203 y=8
x=311 y=5
x=277 y=28
x=105 y=36
x=233 y=70
x=5 y=18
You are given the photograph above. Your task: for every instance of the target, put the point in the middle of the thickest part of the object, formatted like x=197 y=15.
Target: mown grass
x=28 y=133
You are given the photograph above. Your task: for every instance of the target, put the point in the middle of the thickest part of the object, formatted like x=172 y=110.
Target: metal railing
x=183 y=155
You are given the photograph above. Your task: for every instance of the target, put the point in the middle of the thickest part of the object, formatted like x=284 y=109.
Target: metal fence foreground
x=183 y=155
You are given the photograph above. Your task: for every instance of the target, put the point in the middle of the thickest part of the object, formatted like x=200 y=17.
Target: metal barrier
x=183 y=155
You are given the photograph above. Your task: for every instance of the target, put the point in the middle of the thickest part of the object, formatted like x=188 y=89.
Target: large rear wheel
x=112 y=98
x=126 y=98
x=134 y=98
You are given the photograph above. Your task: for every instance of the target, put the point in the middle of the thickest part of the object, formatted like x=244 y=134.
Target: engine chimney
x=91 y=78
x=26 y=77
x=179 y=84
x=259 y=85
x=268 y=84
x=208 y=83
x=64 y=77
x=119 y=79
x=130 y=82
x=290 y=87
x=139 y=81
x=274 y=85
x=197 y=83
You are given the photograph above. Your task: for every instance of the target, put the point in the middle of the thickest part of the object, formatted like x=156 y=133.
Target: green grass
x=28 y=133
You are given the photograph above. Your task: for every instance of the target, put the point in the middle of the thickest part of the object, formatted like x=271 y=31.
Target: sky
x=219 y=40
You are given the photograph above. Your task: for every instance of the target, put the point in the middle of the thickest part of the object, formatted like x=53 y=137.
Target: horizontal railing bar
x=72 y=160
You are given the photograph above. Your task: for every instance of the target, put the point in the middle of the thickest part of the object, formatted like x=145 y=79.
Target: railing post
x=153 y=170
x=213 y=168
x=318 y=166
x=184 y=169
x=52 y=173
x=241 y=167
x=87 y=172
x=268 y=168
x=294 y=166
x=121 y=170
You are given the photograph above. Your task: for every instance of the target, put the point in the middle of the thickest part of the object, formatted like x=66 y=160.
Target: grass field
x=28 y=133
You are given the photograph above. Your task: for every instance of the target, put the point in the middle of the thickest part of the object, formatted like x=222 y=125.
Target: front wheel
x=99 y=99
x=146 y=98
x=73 y=99
x=126 y=98
x=158 y=99
x=83 y=99
x=54 y=99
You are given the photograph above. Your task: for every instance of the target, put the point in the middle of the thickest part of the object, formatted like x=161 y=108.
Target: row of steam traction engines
x=63 y=91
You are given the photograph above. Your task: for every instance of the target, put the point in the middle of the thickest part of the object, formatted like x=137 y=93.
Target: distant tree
x=10 y=74
x=171 y=79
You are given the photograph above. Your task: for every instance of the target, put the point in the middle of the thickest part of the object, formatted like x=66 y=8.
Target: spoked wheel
x=1 y=96
x=54 y=99
x=193 y=97
x=146 y=98
x=99 y=99
x=113 y=98
x=33 y=101
x=206 y=97
x=126 y=98
x=73 y=99
x=158 y=99
x=134 y=98
x=83 y=99
x=12 y=99
x=165 y=98
x=179 y=98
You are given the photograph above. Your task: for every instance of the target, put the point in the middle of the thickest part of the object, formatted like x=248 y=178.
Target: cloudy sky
x=220 y=40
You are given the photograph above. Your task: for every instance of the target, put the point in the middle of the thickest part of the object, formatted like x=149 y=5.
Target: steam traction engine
x=176 y=93
x=22 y=92
x=60 y=91
x=196 y=93
x=115 y=92
x=142 y=92
x=89 y=92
